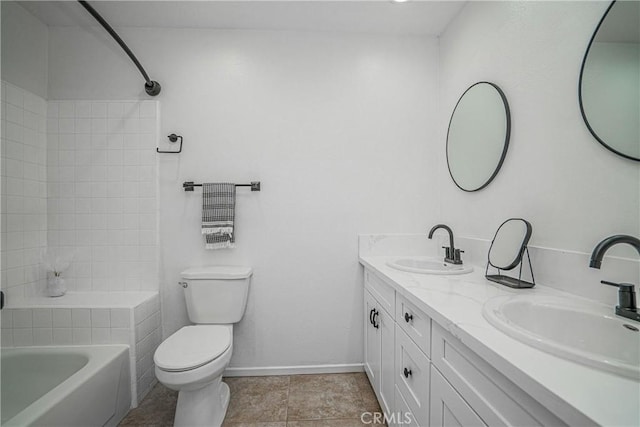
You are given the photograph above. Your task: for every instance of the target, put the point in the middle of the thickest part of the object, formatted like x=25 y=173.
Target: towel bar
x=189 y=185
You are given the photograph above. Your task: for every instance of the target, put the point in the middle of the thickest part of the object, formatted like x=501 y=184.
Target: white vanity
x=430 y=353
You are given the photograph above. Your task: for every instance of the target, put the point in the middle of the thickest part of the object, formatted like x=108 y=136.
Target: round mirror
x=509 y=242
x=609 y=90
x=478 y=136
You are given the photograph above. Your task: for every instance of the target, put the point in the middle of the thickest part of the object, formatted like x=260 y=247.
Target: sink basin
x=581 y=331
x=425 y=265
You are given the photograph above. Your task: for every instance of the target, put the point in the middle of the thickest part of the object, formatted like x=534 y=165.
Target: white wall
x=338 y=129
x=573 y=190
x=24 y=49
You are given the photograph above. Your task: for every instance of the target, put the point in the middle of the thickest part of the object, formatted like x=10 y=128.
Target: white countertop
x=577 y=394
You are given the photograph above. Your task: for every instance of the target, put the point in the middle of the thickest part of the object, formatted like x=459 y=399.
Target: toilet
x=193 y=359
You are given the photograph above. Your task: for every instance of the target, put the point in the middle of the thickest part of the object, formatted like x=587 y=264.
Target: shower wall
x=24 y=191
x=102 y=192
x=77 y=176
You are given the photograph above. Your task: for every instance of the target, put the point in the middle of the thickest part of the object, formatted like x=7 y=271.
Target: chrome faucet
x=626 y=293
x=451 y=254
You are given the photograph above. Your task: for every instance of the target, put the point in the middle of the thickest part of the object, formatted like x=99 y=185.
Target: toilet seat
x=192 y=347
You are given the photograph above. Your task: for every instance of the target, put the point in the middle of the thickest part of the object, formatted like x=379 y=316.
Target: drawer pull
x=408 y=317
x=375 y=313
x=407 y=373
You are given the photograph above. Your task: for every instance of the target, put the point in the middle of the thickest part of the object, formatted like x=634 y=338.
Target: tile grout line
x=286 y=408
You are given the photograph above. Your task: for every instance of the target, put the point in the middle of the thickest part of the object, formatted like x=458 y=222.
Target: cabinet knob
x=408 y=317
x=371 y=315
x=183 y=284
x=375 y=324
x=407 y=372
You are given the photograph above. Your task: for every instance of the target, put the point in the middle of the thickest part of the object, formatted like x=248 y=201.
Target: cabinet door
x=372 y=343
x=387 y=362
x=448 y=409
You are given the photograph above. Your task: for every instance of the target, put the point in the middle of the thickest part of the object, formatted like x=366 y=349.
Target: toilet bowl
x=192 y=362
x=193 y=359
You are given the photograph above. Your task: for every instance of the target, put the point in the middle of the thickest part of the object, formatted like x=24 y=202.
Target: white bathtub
x=65 y=386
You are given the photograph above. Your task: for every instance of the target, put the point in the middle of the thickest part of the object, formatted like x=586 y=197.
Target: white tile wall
x=102 y=173
x=65 y=326
x=24 y=191
x=148 y=337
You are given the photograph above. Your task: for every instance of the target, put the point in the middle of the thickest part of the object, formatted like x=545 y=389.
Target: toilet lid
x=192 y=347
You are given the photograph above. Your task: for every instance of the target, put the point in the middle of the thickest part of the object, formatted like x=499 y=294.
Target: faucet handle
x=626 y=295
x=624 y=287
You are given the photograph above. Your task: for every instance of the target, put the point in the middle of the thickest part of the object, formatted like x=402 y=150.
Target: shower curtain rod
x=152 y=87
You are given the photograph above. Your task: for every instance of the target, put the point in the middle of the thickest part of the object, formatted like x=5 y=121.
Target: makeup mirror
x=478 y=136
x=609 y=87
x=507 y=249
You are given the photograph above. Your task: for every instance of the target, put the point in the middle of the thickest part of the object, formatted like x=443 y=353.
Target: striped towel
x=218 y=212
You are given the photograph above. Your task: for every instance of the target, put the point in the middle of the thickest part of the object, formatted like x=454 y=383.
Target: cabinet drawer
x=384 y=293
x=415 y=323
x=412 y=377
x=497 y=400
x=403 y=416
x=448 y=409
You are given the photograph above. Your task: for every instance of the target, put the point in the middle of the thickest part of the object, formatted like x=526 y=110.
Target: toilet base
x=206 y=406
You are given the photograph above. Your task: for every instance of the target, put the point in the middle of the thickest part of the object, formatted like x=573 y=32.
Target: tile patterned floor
x=327 y=400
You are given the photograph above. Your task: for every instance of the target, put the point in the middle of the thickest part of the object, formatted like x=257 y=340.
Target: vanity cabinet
x=423 y=376
x=379 y=340
x=397 y=345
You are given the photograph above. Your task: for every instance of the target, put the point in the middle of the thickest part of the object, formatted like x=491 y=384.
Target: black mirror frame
x=525 y=242
x=582 y=112
x=506 y=142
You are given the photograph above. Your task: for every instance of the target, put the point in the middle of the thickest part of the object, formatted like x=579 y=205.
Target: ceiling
x=374 y=16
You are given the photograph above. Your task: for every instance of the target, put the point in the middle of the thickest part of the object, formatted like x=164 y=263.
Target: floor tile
x=368 y=396
x=158 y=408
x=256 y=399
x=313 y=397
x=327 y=400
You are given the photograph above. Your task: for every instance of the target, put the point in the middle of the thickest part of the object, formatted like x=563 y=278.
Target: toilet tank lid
x=228 y=272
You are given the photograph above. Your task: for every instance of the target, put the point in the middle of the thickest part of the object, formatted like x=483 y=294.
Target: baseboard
x=293 y=370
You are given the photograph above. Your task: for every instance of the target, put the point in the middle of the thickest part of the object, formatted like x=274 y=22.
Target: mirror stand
x=512 y=282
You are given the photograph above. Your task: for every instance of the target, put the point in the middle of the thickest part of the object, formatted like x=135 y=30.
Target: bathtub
x=65 y=386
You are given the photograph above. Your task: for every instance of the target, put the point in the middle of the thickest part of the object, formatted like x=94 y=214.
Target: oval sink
x=425 y=265
x=580 y=331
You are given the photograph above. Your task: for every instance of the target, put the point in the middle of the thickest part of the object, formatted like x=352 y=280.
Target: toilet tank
x=216 y=294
